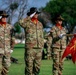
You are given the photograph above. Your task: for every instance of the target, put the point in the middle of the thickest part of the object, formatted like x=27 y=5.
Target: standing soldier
x=58 y=45
x=34 y=42
x=6 y=44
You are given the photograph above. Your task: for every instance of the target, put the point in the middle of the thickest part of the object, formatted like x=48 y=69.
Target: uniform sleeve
x=42 y=34
x=23 y=22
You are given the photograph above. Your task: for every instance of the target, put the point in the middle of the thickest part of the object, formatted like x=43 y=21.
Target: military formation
x=34 y=43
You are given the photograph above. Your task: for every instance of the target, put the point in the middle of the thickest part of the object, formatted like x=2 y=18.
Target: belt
x=37 y=48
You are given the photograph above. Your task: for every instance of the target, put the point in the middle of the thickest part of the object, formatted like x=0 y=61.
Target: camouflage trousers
x=57 y=63
x=48 y=52
x=33 y=61
x=4 y=64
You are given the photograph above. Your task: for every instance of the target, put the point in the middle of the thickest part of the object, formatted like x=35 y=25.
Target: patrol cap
x=59 y=17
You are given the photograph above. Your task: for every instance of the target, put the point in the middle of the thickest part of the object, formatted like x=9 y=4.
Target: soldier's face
x=59 y=22
x=36 y=16
x=3 y=19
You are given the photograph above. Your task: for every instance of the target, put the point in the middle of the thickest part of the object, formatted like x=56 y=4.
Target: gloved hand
x=32 y=14
x=11 y=51
x=61 y=35
x=0 y=17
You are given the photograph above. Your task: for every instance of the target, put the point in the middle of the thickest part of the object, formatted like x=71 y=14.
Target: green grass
x=46 y=65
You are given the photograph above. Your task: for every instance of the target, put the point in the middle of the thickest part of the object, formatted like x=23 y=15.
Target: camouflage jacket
x=57 y=42
x=33 y=33
x=49 y=40
x=6 y=42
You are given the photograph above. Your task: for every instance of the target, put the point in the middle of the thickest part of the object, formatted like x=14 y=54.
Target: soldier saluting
x=34 y=42
x=6 y=43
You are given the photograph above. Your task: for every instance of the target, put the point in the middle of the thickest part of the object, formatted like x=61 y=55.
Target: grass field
x=46 y=66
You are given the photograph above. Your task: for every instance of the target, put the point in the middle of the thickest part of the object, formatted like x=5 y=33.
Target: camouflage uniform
x=5 y=47
x=58 y=47
x=33 y=45
x=49 y=42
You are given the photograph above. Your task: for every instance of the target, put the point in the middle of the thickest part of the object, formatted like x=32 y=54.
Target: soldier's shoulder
x=64 y=29
x=9 y=25
x=40 y=23
x=54 y=27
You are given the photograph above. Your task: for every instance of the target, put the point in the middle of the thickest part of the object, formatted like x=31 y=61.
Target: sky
x=37 y=3
x=34 y=3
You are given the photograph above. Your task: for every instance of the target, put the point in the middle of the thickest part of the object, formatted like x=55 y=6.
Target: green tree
x=67 y=8
x=14 y=6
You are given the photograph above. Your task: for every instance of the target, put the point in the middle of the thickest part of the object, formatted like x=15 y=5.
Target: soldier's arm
x=54 y=35
x=23 y=22
x=56 y=38
x=42 y=34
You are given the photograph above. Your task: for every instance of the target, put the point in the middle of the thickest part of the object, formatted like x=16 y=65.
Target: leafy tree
x=67 y=8
x=14 y=6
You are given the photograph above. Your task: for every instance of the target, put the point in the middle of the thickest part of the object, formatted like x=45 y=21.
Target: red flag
x=71 y=49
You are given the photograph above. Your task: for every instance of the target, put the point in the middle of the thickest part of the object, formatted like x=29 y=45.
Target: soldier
x=34 y=42
x=6 y=45
x=58 y=45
